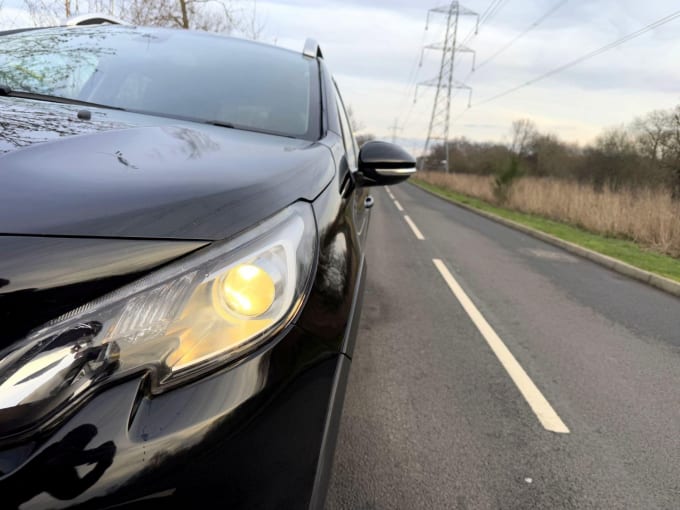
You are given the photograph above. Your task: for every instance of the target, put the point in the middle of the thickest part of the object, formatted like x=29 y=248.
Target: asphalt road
x=433 y=418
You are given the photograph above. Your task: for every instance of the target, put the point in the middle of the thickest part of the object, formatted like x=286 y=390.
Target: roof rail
x=312 y=49
x=93 y=19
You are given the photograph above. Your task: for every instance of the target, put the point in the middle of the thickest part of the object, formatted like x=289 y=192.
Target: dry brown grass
x=648 y=217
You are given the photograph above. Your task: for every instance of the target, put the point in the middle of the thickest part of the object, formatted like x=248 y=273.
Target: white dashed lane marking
x=538 y=403
x=416 y=230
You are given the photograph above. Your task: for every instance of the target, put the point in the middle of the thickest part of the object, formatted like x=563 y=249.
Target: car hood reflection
x=131 y=175
x=55 y=469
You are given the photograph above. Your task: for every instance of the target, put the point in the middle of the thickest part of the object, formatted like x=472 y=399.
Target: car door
x=360 y=201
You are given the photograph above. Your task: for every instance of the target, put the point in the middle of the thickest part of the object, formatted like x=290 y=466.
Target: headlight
x=191 y=315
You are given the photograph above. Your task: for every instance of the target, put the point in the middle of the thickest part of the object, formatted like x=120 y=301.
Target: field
x=649 y=218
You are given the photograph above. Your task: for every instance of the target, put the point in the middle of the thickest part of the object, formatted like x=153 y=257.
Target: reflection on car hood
x=131 y=175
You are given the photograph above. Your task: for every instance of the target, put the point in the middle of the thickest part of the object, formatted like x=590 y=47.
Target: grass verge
x=626 y=251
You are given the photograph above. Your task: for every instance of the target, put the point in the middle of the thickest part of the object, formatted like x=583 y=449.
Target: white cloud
x=372 y=49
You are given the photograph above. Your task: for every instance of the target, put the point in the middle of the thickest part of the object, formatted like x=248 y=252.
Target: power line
x=493 y=12
x=574 y=62
x=489 y=7
x=462 y=47
x=413 y=74
x=536 y=23
x=413 y=77
x=466 y=39
x=475 y=29
x=444 y=82
x=395 y=129
x=587 y=56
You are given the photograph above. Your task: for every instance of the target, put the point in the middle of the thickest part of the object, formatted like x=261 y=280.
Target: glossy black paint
x=377 y=155
x=248 y=436
x=257 y=433
x=44 y=277
x=130 y=175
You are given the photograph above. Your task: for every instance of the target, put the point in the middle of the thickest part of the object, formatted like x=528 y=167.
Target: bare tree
x=657 y=136
x=225 y=16
x=208 y=15
x=251 y=26
x=651 y=133
x=522 y=132
x=550 y=156
x=355 y=123
x=51 y=12
x=44 y=12
x=670 y=152
x=363 y=138
x=615 y=141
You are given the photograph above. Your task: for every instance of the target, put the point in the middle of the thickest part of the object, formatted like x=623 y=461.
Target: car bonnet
x=119 y=174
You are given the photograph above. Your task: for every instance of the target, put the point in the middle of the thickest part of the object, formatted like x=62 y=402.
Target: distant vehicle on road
x=183 y=219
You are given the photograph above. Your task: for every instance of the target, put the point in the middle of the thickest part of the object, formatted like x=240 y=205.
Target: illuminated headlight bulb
x=248 y=290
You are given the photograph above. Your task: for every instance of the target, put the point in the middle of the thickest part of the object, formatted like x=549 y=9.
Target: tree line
x=644 y=153
x=226 y=16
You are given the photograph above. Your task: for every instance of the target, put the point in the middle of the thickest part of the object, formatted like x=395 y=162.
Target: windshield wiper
x=241 y=127
x=7 y=91
x=220 y=123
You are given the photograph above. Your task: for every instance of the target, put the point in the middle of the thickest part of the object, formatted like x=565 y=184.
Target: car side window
x=347 y=137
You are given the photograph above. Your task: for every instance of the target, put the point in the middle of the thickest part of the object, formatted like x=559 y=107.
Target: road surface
x=496 y=371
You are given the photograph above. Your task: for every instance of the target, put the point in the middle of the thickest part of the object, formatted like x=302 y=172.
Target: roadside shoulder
x=661 y=282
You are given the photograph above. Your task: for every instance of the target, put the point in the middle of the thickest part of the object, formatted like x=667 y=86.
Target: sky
x=373 y=49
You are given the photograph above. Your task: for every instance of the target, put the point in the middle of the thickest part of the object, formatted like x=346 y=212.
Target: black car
x=182 y=227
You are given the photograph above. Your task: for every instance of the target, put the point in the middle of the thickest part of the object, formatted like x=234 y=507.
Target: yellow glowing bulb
x=248 y=290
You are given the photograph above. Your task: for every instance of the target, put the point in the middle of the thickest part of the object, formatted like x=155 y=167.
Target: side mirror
x=382 y=163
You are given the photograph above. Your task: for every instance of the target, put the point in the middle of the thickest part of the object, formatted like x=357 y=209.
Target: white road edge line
x=396 y=202
x=416 y=230
x=538 y=403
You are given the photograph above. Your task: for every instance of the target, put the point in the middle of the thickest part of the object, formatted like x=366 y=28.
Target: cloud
x=373 y=49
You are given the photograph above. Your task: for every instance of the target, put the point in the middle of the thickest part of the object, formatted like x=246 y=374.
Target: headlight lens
x=247 y=289
x=203 y=310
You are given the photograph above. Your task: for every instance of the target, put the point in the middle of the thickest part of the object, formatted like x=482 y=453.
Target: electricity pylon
x=395 y=129
x=445 y=83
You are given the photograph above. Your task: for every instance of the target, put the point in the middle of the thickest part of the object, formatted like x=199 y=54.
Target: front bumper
x=259 y=433
x=249 y=436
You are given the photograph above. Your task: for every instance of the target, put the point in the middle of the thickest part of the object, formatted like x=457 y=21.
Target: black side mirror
x=382 y=163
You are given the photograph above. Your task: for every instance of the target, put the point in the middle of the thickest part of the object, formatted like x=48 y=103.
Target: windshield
x=169 y=72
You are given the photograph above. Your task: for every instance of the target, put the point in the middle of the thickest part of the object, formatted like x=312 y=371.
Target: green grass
x=626 y=251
